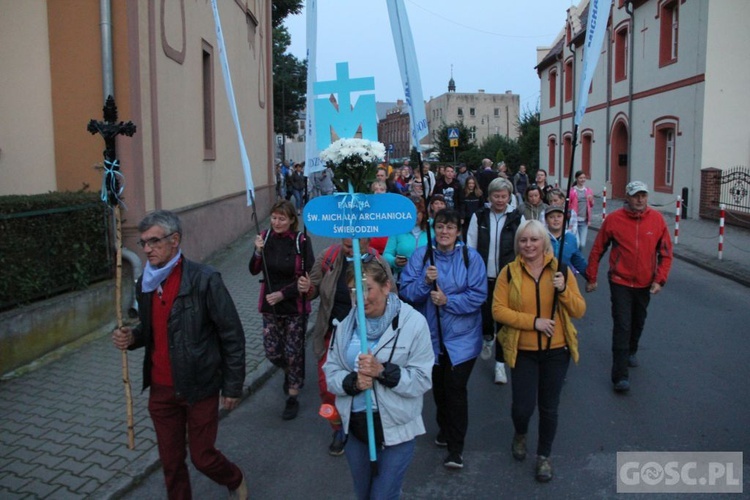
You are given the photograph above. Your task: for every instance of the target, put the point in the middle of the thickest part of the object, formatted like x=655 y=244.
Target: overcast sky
x=490 y=43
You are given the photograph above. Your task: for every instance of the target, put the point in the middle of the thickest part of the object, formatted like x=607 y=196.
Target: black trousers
x=449 y=388
x=629 y=308
x=489 y=326
x=537 y=379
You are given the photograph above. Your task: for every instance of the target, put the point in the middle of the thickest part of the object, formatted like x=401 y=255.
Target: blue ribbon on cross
x=109 y=182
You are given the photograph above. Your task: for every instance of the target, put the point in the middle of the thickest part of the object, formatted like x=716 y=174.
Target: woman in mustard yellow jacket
x=537 y=344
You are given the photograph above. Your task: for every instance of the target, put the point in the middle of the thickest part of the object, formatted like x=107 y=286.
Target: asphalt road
x=689 y=394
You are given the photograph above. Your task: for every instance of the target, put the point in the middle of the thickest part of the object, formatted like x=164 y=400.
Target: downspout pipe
x=105 y=25
x=631 y=12
x=108 y=89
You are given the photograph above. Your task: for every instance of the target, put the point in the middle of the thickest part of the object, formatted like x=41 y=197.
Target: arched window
x=665 y=131
x=551 y=154
x=621 y=51
x=587 y=138
x=668 y=13
x=552 y=87
x=569 y=80
x=567 y=149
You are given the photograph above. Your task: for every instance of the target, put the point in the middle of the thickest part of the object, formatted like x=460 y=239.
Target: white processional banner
x=596 y=28
x=233 y=105
x=407 y=63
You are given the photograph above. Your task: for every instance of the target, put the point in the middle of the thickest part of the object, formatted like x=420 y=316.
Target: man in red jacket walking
x=639 y=264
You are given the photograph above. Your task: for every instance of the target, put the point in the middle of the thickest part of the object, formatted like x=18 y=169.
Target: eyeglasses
x=152 y=242
x=445 y=227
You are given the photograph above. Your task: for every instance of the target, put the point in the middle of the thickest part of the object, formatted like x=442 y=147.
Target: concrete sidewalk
x=63 y=425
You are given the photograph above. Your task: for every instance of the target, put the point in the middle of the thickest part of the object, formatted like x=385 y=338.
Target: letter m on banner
x=345 y=121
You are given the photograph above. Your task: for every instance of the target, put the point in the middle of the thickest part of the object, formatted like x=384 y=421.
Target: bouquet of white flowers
x=355 y=161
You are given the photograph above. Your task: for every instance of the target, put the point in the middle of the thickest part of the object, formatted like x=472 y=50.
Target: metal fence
x=735 y=189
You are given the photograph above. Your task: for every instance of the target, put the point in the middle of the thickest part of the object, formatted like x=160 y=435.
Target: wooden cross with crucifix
x=109 y=129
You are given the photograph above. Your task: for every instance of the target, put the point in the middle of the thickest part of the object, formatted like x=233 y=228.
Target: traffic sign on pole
x=453 y=133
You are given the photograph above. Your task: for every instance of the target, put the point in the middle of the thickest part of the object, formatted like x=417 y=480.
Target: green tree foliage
x=500 y=148
x=442 y=144
x=289 y=73
x=514 y=152
x=528 y=140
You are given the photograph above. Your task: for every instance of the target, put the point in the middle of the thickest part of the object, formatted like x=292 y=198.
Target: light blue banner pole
x=407 y=63
x=363 y=336
x=233 y=105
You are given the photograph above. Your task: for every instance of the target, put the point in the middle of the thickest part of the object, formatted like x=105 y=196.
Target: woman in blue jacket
x=450 y=294
x=401 y=246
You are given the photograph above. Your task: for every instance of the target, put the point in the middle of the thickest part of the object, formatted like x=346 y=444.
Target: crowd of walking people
x=477 y=273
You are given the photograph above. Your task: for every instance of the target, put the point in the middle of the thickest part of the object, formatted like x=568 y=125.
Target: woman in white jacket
x=397 y=368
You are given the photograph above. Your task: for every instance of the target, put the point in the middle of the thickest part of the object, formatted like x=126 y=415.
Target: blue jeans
x=583 y=232
x=537 y=380
x=392 y=464
x=298 y=198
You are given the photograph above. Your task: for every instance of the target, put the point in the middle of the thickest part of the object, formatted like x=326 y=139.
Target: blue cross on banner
x=452 y=133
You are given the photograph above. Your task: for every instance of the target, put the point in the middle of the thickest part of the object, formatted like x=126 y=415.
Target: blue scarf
x=155 y=276
x=376 y=327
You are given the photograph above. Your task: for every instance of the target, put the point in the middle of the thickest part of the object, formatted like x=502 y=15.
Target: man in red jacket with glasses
x=639 y=264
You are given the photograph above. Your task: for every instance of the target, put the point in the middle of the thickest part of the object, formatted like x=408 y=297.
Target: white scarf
x=154 y=276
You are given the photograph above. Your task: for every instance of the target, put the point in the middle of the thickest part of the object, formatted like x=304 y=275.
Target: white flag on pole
x=233 y=105
x=313 y=162
x=407 y=63
x=596 y=27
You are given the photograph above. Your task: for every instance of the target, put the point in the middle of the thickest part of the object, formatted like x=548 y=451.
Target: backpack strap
x=465 y=250
x=300 y=238
x=394 y=325
x=330 y=256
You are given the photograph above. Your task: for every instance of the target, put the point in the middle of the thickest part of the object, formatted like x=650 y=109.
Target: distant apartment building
x=666 y=101
x=394 y=132
x=486 y=115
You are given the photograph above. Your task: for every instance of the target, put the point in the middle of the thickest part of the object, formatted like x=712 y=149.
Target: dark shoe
x=440 y=440
x=633 y=361
x=543 y=469
x=336 y=448
x=454 y=461
x=291 y=408
x=241 y=492
x=622 y=385
x=519 y=447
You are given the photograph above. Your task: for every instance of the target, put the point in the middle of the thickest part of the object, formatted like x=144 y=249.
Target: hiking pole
x=263 y=253
x=254 y=215
x=430 y=254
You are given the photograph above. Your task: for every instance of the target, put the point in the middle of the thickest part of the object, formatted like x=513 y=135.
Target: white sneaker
x=500 y=376
x=487 y=349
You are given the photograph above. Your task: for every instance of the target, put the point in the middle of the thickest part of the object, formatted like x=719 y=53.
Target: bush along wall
x=51 y=244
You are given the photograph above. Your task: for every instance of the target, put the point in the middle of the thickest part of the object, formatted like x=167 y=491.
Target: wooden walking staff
x=112 y=187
